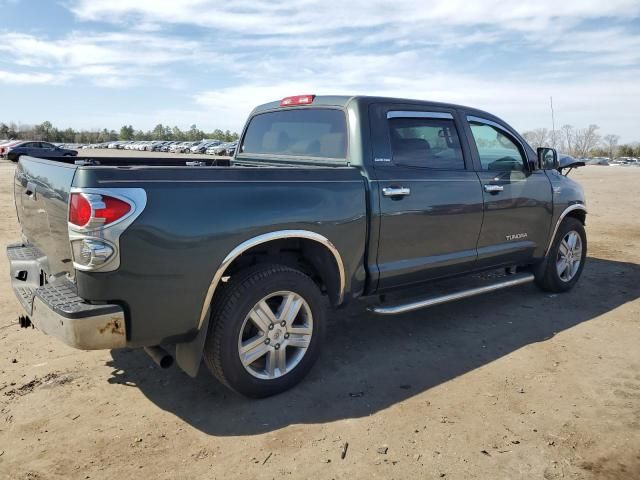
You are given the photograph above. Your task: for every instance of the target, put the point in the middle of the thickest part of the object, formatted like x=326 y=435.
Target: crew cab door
x=430 y=197
x=517 y=197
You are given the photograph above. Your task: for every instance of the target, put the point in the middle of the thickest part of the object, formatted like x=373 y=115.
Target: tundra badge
x=516 y=236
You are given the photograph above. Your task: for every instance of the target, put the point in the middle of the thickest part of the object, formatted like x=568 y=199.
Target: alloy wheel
x=275 y=335
x=569 y=256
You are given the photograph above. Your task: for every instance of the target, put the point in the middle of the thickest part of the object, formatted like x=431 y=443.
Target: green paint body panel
x=195 y=216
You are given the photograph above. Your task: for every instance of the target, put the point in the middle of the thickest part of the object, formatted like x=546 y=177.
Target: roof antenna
x=553 y=124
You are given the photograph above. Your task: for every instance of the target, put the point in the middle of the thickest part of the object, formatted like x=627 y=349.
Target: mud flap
x=540 y=269
x=189 y=354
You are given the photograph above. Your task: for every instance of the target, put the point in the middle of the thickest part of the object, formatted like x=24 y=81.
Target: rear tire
x=565 y=261
x=267 y=328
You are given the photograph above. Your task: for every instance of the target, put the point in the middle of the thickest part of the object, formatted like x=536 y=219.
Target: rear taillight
x=114 y=209
x=297 y=100
x=97 y=219
x=95 y=209
x=79 y=210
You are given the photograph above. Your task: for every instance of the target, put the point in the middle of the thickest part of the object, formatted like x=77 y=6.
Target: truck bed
x=194 y=216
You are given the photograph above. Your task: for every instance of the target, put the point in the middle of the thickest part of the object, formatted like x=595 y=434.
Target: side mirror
x=547 y=158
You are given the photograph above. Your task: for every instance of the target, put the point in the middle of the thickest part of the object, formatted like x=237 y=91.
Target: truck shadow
x=370 y=362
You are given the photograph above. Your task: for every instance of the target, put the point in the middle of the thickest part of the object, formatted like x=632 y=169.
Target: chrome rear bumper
x=57 y=310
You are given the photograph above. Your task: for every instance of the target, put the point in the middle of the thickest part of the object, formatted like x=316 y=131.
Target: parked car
x=220 y=149
x=176 y=146
x=155 y=146
x=412 y=192
x=203 y=146
x=231 y=149
x=37 y=149
x=184 y=147
x=6 y=145
x=167 y=146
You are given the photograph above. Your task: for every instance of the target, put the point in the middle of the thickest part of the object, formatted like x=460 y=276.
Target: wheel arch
x=313 y=247
x=577 y=210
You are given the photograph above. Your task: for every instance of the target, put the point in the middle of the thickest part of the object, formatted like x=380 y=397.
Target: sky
x=95 y=64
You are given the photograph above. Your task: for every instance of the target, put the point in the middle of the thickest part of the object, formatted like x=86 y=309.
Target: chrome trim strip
x=472 y=118
x=430 y=302
x=228 y=181
x=570 y=208
x=267 y=237
x=448 y=180
x=417 y=114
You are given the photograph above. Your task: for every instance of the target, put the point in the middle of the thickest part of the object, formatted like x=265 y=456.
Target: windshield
x=312 y=132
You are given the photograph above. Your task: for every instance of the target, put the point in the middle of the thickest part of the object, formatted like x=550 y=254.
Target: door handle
x=396 y=191
x=493 y=188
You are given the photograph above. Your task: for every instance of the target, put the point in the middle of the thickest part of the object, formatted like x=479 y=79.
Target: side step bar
x=513 y=280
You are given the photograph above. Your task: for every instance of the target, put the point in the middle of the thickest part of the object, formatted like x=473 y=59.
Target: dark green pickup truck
x=327 y=199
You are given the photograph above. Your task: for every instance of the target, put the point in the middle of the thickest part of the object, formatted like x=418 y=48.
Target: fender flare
x=565 y=212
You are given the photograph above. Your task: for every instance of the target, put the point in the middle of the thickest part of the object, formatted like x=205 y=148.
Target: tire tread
x=547 y=279
x=224 y=307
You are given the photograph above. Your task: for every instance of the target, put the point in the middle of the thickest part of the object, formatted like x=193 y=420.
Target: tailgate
x=41 y=192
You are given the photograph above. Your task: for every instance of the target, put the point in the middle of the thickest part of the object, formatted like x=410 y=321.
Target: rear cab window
x=319 y=133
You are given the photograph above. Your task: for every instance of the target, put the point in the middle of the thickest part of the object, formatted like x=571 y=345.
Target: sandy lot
x=516 y=384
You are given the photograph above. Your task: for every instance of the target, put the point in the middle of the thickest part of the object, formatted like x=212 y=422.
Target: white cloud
x=607 y=46
x=507 y=59
x=108 y=59
x=308 y=16
x=35 y=78
x=523 y=102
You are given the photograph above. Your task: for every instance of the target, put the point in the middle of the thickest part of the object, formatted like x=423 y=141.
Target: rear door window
x=425 y=142
x=312 y=132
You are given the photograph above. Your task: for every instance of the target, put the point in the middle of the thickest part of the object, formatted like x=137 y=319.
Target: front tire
x=267 y=327
x=565 y=261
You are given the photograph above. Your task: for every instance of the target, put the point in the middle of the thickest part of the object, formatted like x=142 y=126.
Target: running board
x=517 y=279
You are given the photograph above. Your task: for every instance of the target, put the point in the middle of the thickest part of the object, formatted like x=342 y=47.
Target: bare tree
x=567 y=139
x=581 y=142
x=555 y=140
x=585 y=140
x=540 y=137
x=611 y=145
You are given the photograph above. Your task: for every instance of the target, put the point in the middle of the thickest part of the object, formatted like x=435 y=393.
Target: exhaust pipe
x=160 y=356
x=24 y=321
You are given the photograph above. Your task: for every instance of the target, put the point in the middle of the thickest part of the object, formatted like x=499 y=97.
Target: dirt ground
x=515 y=384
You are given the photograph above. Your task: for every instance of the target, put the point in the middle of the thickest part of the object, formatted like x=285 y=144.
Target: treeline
x=47 y=132
x=582 y=142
